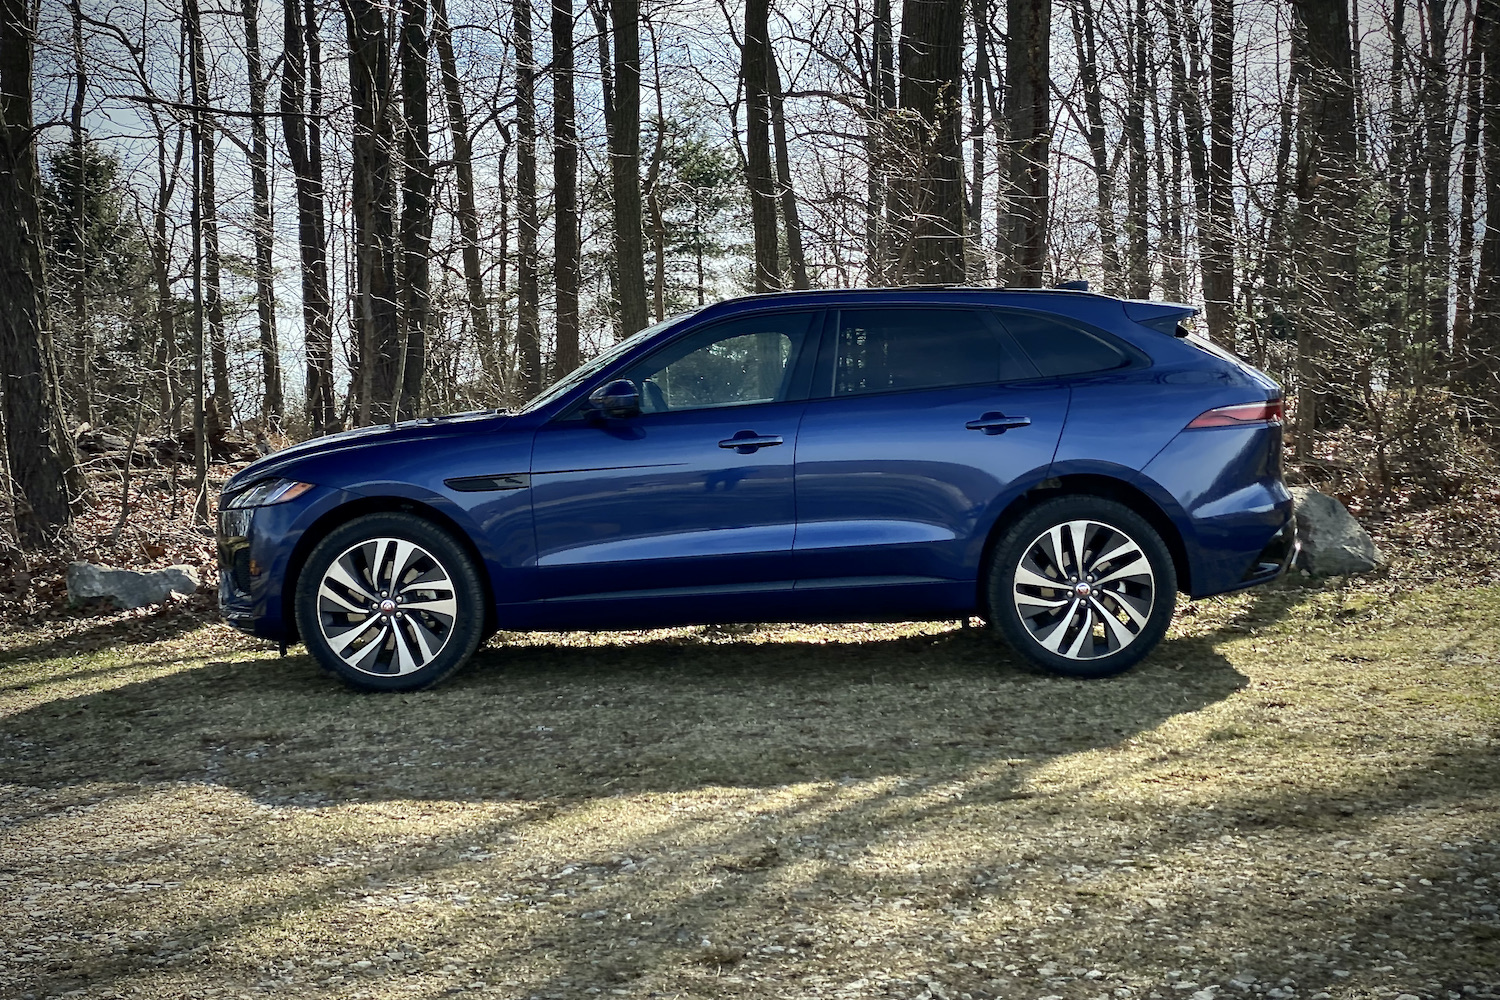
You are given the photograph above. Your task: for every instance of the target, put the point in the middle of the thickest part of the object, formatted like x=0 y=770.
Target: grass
x=1297 y=795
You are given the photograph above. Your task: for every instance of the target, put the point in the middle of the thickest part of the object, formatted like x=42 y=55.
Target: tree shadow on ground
x=558 y=722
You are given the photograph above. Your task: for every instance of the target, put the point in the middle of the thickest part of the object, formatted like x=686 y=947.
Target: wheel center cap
x=387 y=607
x=1082 y=589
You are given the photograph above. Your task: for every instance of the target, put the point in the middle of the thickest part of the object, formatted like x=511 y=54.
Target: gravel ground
x=1296 y=797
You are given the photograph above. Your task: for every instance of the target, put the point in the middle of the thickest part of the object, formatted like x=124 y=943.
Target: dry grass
x=1298 y=795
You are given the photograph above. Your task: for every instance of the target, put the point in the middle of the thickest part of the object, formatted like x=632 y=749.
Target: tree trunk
x=1468 y=188
x=468 y=213
x=977 y=273
x=1186 y=96
x=626 y=166
x=200 y=144
x=208 y=201
x=1484 y=336
x=1439 y=163
x=927 y=196
x=373 y=206
x=754 y=73
x=528 y=335
x=1168 y=194
x=564 y=189
x=33 y=428
x=416 y=206
x=1137 y=175
x=880 y=98
x=1396 y=182
x=1104 y=179
x=301 y=108
x=271 y=405
x=1028 y=113
x=795 y=258
x=1328 y=191
x=1218 y=236
x=83 y=331
x=656 y=221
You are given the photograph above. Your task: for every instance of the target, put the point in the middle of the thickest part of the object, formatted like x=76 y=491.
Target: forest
x=227 y=228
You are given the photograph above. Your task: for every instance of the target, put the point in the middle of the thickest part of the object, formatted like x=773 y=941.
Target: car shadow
x=570 y=718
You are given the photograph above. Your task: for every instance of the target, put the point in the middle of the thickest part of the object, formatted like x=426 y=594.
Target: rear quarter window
x=1058 y=348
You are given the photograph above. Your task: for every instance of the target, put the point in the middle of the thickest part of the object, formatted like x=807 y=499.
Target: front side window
x=886 y=350
x=738 y=363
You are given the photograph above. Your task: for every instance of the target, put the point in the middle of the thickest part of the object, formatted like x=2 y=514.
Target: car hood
x=284 y=461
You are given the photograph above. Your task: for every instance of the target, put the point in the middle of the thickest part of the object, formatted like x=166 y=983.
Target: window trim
x=827 y=362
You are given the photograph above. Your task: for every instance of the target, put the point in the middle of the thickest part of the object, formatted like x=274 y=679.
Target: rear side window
x=1058 y=348
x=885 y=350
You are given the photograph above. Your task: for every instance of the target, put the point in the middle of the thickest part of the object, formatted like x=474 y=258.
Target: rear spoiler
x=1163 y=317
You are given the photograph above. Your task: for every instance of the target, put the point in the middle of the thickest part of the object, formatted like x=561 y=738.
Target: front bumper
x=256 y=547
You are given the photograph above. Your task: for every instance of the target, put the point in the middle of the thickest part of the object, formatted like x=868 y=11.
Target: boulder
x=127 y=588
x=1333 y=543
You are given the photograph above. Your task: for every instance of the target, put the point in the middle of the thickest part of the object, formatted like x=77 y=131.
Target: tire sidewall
x=468 y=590
x=1012 y=548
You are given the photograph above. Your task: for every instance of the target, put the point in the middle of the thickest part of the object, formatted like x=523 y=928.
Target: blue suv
x=1058 y=462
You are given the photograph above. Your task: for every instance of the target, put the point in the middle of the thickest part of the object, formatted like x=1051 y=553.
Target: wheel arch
x=343 y=514
x=1105 y=487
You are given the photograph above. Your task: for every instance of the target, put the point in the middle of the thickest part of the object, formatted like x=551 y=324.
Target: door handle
x=746 y=442
x=996 y=422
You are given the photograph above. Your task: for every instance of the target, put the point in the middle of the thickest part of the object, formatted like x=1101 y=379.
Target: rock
x=127 y=588
x=1333 y=543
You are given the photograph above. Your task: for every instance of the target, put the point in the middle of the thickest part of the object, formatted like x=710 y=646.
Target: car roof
x=1077 y=303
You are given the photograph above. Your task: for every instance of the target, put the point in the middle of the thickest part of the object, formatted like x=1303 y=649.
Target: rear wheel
x=390 y=602
x=1082 y=586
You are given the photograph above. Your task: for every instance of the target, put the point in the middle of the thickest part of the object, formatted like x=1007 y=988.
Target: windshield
x=588 y=369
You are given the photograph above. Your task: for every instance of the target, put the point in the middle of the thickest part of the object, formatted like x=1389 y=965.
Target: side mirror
x=619 y=398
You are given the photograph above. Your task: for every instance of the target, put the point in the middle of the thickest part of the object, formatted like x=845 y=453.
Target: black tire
x=1066 y=629
x=394 y=638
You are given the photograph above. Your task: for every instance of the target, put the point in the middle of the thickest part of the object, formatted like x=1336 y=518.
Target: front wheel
x=390 y=602
x=1082 y=586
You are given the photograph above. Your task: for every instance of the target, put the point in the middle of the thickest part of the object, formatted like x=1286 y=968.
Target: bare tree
x=1218 y=227
x=528 y=335
x=301 y=112
x=795 y=256
x=564 y=189
x=467 y=212
x=271 y=405
x=1327 y=192
x=34 y=438
x=755 y=71
x=1086 y=44
x=416 y=206
x=1137 y=171
x=1028 y=112
x=83 y=333
x=625 y=159
x=927 y=201
x=373 y=204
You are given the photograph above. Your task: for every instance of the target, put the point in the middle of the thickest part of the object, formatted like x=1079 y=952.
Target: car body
x=850 y=455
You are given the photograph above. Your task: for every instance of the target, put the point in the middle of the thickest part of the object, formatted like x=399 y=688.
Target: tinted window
x=1056 y=348
x=733 y=364
x=880 y=350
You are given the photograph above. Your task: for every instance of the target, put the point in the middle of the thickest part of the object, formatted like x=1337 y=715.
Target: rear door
x=930 y=421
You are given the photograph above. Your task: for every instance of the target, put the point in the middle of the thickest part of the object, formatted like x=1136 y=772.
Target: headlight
x=267 y=492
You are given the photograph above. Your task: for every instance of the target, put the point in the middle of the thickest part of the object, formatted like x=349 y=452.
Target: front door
x=693 y=496
x=930 y=417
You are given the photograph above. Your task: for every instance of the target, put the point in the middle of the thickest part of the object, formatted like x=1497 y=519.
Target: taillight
x=1269 y=412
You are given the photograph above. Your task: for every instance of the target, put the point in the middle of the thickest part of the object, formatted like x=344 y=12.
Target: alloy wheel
x=387 y=606
x=1084 y=589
